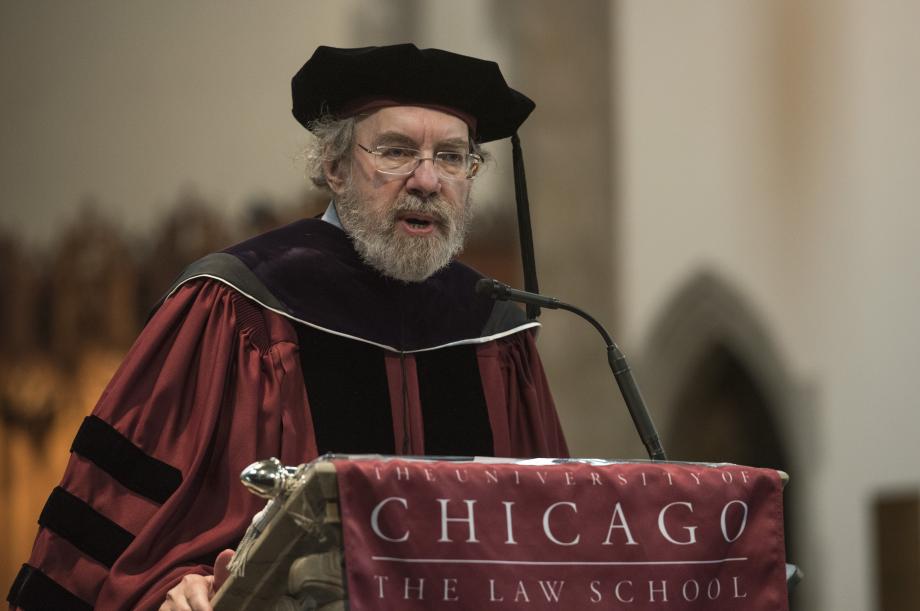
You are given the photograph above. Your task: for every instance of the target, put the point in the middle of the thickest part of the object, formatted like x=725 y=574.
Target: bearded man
x=353 y=333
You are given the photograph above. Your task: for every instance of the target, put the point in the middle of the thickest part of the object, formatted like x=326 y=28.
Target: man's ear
x=334 y=176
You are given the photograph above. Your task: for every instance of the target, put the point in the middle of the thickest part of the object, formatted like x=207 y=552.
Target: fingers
x=221 y=572
x=190 y=594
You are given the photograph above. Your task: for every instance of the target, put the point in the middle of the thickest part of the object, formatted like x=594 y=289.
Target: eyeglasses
x=401 y=161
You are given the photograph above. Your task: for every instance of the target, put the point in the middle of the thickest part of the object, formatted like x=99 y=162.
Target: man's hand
x=194 y=592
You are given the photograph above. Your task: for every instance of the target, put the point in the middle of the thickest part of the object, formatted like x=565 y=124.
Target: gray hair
x=333 y=141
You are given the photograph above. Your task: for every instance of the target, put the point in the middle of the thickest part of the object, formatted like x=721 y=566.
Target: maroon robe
x=219 y=379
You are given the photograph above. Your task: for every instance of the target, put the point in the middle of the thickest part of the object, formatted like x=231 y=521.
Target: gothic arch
x=706 y=325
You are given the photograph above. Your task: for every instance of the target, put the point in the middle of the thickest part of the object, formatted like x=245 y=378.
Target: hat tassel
x=524 y=229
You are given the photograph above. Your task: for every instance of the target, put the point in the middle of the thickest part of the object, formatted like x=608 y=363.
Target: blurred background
x=727 y=185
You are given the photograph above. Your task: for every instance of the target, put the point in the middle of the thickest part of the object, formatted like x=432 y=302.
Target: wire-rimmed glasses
x=401 y=161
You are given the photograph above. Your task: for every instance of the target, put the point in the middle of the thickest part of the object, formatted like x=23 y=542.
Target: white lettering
x=741 y=528
x=616 y=592
x=696 y=478
x=551 y=590
x=727 y=477
x=510 y=540
x=744 y=476
x=521 y=592
x=420 y=588
x=663 y=590
x=491 y=476
x=713 y=594
x=462 y=478
x=542 y=476
x=549 y=535
x=664 y=530
x=429 y=475
x=468 y=519
x=595 y=593
x=624 y=481
x=695 y=590
x=492 y=593
x=450 y=589
x=736 y=581
x=375 y=519
x=380 y=579
x=400 y=471
x=596 y=479
x=618 y=512
x=569 y=479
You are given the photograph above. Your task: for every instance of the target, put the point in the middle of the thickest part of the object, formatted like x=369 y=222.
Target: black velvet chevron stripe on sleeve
x=88 y=530
x=100 y=443
x=34 y=591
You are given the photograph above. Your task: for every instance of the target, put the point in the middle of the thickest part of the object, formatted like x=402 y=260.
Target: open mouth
x=417 y=224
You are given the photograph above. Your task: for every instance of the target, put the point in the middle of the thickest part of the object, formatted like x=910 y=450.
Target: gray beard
x=386 y=248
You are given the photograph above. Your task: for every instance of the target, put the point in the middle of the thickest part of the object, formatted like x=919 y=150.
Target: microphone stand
x=615 y=358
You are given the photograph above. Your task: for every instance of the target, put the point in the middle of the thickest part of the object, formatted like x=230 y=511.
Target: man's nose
x=424 y=181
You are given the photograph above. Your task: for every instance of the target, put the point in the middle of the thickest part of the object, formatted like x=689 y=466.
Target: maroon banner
x=433 y=535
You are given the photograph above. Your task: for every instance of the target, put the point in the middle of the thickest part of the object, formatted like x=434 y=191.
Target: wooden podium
x=302 y=521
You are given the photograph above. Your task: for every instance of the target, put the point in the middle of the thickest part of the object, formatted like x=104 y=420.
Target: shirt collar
x=331 y=216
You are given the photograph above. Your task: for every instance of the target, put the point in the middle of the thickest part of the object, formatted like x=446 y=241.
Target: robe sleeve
x=521 y=408
x=151 y=491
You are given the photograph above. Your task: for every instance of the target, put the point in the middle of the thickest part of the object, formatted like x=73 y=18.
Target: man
x=354 y=333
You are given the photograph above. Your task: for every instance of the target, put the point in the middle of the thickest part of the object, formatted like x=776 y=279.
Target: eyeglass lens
x=400 y=160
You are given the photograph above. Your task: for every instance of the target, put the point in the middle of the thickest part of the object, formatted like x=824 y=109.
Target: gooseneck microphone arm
x=615 y=357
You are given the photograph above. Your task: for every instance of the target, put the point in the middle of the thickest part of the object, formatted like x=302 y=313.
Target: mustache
x=435 y=206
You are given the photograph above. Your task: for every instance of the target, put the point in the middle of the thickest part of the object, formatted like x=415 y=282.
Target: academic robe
x=286 y=345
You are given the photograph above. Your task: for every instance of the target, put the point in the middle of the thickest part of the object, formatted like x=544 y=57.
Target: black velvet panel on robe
x=348 y=393
x=311 y=267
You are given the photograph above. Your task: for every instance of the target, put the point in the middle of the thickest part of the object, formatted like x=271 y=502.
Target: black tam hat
x=345 y=82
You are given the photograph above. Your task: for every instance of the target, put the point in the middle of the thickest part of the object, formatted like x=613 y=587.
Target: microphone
x=502 y=292
x=615 y=357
